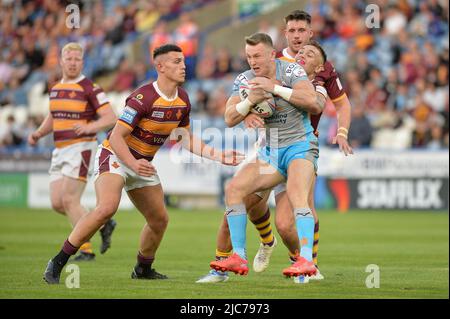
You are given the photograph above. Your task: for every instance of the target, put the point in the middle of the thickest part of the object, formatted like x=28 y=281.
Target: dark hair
x=298 y=15
x=166 y=49
x=257 y=38
x=316 y=44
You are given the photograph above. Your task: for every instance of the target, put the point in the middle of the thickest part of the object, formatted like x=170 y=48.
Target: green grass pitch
x=410 y=248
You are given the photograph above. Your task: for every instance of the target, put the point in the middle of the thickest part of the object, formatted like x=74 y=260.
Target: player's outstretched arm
x=44 y=129
x=118 y=144
x=343 y=113
x=196 y=146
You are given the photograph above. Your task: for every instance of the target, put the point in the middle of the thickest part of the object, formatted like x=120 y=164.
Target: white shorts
x=107 y=162
x=73 y=161
x=280 y=188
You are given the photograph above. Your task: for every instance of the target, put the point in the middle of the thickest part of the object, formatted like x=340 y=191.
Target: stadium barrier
x=416 y=180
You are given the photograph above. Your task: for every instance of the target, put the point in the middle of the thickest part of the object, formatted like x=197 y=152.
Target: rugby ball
x=263 y=109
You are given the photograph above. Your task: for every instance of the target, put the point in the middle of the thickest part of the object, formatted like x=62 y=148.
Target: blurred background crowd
x=396 y=75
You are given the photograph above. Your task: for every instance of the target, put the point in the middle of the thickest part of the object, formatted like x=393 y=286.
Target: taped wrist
x=283 y=92
x=244 y=107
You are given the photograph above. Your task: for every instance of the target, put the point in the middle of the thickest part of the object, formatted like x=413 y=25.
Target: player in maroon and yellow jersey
x=78 y=110
x=153 y=113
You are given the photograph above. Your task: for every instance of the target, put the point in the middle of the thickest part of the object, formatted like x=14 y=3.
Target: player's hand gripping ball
x=264 y=108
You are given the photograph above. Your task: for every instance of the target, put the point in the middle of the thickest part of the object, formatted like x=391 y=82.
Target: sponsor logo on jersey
x=101 y=98
x=243 y=91
x=295 y=69
x=128 y=115
x=242 y=78
x=138 y=99
x=158 y=114
x=115 y=165
x=179 y=113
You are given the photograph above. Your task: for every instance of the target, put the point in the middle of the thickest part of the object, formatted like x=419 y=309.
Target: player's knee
x=233 y=192
x=284 y=228
x=159 y=224
x=58 y=207
x=105 y=212
x=69 y=201
x=255 y=204
x=163 y=221
x=298 y=199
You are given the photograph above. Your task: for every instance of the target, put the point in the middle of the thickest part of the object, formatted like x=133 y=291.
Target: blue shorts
x=281 y=158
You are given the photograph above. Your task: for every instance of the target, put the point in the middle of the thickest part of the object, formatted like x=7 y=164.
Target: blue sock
x=304 y=220
x=237 y=223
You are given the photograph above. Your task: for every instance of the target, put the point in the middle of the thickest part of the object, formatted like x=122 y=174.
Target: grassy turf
x=411 y=249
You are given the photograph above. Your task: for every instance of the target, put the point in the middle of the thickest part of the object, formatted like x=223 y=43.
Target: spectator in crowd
x=146 y=16
x=360 y=133
x=215 y=107
x=207 y=66
x=265 y=26
x=186 y=37
x=399 y=70
x=10 y=133
x=159 y=36
x=223 y=63
x=125 y=78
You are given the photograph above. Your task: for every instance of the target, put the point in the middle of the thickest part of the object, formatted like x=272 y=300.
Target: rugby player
x=298 y=32
x=153 y=113
x=78 y=110
x=291 y=151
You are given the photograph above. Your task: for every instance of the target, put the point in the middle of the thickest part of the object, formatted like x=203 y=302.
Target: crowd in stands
x=396 y=76
x=395 y=73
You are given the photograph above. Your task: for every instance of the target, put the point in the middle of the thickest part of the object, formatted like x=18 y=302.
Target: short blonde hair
x=72 y=46
x=258 y=38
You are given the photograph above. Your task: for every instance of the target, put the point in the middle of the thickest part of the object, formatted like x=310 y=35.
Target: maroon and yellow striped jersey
x=72 y=103
x=151 y=117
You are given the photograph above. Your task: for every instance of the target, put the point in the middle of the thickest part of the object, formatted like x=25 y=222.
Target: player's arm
x=330 y=81
x=44 y=129
x=118 y=143
x=302 y=94
x=236 y=110
x=343 y=113
x=106 y=120
x=254 y=121
x=196 y=146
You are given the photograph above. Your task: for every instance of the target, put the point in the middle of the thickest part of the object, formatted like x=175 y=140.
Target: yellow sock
x=222 y=255
x=86 y=247
x=293 y=256
x=265 y=229
x=316 y=243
